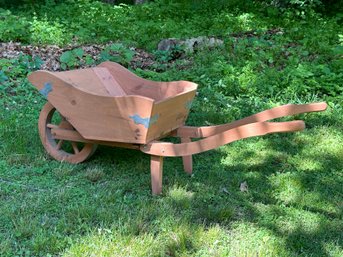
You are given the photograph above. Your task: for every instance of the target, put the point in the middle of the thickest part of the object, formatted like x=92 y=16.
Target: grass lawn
x=104 y=207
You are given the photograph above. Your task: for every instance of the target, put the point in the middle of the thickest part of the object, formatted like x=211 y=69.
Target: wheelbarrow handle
x=249 y=130
x=277 y=112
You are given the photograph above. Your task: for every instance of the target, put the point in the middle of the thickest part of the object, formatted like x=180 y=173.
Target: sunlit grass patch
x=180 y=197
x=107 y=242
x=248 y=239
x=94 y=174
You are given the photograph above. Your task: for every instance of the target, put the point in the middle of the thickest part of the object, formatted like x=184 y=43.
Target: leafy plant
x=117 y=53
x=3 y=77
x=71 y=59
x=166 y=56
x=28 y=62
x=20 y=66
x=45 y=32
x=13 y=27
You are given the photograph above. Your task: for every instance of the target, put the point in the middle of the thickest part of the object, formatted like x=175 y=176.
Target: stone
x=189 y=45
x=168 y=44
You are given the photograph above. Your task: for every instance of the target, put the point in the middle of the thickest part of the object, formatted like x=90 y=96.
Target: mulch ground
x=50 y=54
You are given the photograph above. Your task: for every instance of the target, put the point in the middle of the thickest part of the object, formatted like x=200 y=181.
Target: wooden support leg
x=187 y=160
x=156 y=169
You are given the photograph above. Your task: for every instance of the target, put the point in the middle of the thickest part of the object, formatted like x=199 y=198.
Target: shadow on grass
x=317 y=195
x=211 y=196
x=295 y=193
x=317 y=192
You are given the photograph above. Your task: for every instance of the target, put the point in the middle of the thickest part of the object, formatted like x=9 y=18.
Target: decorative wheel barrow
x=109 y=105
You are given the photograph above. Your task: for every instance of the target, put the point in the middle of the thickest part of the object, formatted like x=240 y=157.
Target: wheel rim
x=62 y=150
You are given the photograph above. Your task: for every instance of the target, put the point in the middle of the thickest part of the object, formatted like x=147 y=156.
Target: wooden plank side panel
x=132 y=84
x=96 y=117
x=173 y=88
x=84 y=79
x=171 y=114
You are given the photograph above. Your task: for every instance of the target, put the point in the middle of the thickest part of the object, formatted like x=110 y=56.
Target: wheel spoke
x=76 y=150
x=49 y=125
x=59 y=144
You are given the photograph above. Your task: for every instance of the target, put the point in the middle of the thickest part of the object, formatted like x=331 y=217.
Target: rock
x=189 y=45
x=168 y=44
x=243 y=187
x=193 y=43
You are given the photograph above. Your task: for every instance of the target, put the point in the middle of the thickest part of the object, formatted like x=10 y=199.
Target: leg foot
x=156 y=169
x=187 y=160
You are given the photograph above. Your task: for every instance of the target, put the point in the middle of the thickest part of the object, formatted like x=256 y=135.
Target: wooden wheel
x=62 y=150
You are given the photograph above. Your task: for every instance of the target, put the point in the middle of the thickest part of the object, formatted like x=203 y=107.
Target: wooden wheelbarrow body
x=110 y=105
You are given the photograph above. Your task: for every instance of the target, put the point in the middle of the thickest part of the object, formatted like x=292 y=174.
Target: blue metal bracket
x=146 y=122
x=46 y=89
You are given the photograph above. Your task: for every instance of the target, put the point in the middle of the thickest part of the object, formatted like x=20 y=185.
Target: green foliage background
x=263 y=55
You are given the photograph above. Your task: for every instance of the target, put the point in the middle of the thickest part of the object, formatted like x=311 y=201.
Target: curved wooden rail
x=214 y=141
x=277 y=112
x=215 y=136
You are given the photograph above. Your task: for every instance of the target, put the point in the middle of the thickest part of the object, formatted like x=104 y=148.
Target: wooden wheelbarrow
x=109 y=105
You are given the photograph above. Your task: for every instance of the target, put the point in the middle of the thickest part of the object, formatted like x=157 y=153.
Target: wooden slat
x=212 y=142
x=132 y=84
x=109 y=82
x=74 y=136
x=52 y=126
x=66 y=134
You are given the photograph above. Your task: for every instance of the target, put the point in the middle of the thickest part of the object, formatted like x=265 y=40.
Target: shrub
x=45 y=32
x=13 y=27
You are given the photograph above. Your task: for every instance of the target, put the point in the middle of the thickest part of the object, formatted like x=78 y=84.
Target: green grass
x=104 y=207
